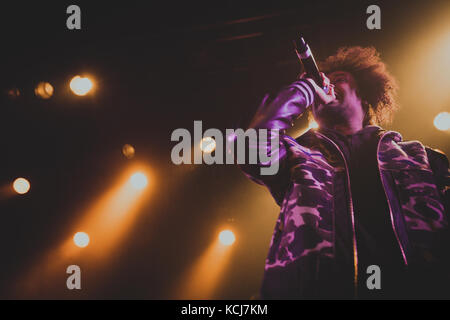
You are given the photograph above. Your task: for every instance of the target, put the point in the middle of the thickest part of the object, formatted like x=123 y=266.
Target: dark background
x=159 y=66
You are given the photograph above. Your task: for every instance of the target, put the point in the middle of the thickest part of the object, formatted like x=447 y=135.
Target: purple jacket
x=415 y=179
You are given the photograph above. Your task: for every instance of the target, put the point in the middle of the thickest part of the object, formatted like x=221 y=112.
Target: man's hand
x=324 y=97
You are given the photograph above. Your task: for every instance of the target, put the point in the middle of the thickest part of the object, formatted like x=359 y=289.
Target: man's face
x=347 y=103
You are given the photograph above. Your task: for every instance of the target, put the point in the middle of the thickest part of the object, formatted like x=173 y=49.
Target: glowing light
x=13 y=93
x=81 y=86
x=44 y=90
x=21 y=185
x=227 y=237
x=231 y=137
x=108 y=219
x=203 y=277
x=208 y=145
x=313 y=125
x=442 y=121
x=81 y=239
x=138 y=181
x=128 y=151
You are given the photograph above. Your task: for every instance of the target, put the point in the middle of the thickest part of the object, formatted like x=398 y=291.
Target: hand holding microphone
x=325 y=93
x=325 y=96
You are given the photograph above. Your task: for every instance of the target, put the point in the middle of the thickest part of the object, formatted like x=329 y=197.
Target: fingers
x=331 y=92
x=330 y=88
x=327 y=84
x=325 y=97
x=326 y=81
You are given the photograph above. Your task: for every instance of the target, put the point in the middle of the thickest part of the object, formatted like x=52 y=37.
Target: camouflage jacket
x=415 y=179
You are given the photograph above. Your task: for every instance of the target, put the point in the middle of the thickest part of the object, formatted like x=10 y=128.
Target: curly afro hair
x=377 y=88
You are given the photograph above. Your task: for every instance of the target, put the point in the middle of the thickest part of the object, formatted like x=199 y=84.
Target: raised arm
x=277 y=114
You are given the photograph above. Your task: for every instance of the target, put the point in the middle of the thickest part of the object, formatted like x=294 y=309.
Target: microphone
x=309 y=63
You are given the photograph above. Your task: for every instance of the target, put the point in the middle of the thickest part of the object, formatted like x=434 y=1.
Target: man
x=352 y=195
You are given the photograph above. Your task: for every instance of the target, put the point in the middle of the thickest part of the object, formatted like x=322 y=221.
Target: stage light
x=44 y=90
x=227 y=237
x=108 y=219
x=442 y=121
x=204 y=276
x=13 y=93
x=128 y=151
x=81 y=86
x=81 y=239
x=208 y=145
x=138 y=181
x=313 y=125
x=21 y=185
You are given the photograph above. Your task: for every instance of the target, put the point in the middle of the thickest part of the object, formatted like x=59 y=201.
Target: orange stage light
x=44 y=90
x=128 y=151
x=81 y=239
x=81 y=86
x=227 y=237
x=208 y=145
x=442 y=121
x=21 y=185
x=204 y=276
x=108 y=220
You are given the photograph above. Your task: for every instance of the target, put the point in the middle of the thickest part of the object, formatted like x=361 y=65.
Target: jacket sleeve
x=440 y=166
x=277 y=115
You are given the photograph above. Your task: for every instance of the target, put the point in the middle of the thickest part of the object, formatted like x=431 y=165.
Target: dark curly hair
x=377 y=88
